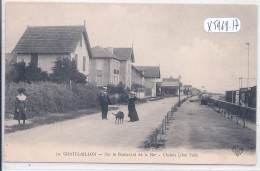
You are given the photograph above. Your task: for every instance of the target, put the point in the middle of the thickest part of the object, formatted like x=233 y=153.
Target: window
x=84 y=63
x=117 y=65
x=34 y=59
x=114 y=81
x=128 y=81
x=114 y=64
x=129 y=68
x=80 y=42
x=117 y=79
x=99 y=64
x=76 y=59
x=99 y=80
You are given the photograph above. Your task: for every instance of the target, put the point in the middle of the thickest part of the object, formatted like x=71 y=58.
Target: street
x=199 y=127
x=89 y=132
x=195 y=128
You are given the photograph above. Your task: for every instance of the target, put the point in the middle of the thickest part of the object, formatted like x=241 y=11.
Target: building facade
x=137 y=76
x=43 y=45
x=171 y=86
x=151 y=74
x=110 y=66
x=104 y=68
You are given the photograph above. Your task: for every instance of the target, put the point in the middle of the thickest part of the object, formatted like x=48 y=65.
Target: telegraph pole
x=248 y=64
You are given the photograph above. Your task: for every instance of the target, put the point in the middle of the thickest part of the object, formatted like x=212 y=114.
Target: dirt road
x=88 y=132
x=199 y=127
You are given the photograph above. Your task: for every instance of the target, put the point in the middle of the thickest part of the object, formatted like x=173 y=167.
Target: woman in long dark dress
x=132 y=113
x=20 y=106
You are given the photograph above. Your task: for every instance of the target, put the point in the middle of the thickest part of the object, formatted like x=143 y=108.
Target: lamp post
x=248 y=64
x=179 y=78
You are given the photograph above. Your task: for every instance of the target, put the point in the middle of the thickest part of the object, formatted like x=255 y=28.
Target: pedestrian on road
x=104 y=101
x=132 y=113
x=20 y=106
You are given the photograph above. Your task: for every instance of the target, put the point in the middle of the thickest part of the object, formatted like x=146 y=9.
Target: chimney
x=110 y=50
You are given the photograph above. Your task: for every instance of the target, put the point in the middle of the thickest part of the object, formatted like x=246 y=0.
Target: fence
x=155 y=140
x=246 y=96
x=233 y=109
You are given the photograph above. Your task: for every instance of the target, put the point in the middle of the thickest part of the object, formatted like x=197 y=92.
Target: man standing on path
x=104 y=101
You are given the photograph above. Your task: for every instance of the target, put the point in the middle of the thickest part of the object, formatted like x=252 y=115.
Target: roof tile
x=51 y=39
x=150 y=71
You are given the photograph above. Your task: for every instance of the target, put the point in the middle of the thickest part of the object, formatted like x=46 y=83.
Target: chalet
x=171 y=85
x=42 y=45
x=104 y=67
x=110 y=66
x=126 y=57
x=137 y=76
x=151 y=74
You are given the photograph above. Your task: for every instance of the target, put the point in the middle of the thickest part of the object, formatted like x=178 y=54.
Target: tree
x=16 y=73
x=65 y=70
x=19 y=72
x=35 y=74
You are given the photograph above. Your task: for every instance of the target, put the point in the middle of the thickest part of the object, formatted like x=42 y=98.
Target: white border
x=84 y=166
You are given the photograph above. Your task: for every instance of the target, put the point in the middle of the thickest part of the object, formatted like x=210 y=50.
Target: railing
x=233 y=109
x=155 y=140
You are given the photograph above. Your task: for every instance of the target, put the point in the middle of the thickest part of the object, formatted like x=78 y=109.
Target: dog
x=119 y=117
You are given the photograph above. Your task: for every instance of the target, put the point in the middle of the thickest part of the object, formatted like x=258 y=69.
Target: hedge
x=47 y=97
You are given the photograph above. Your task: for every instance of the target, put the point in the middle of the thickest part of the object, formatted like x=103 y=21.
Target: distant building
x=151 y=74
x=42 y=45
x=137 y=76
x=187 y=89
x=171 y=86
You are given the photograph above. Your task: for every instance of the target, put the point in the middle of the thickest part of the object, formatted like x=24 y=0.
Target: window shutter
x=84 y=63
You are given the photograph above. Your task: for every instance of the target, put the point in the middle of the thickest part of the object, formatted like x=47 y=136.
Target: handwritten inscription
x=222 y=25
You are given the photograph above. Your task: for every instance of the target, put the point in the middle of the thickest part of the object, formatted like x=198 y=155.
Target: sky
x=171 y=36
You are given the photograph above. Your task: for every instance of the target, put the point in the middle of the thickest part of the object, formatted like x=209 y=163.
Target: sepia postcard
x=163 y=83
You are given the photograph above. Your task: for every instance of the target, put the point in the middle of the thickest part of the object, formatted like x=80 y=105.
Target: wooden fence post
x=244 y=119
x=162 y=126
x=165 y=122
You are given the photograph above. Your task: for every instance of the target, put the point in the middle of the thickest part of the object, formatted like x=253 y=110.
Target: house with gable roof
x=137 y=76
x=151 y=74
x=42 y=45
x=126 y=57
x=110 y=66
x=104 y=67
x=171 y=86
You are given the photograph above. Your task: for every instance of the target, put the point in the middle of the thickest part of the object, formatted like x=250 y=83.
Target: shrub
x=65 y=70
x=35 y=74
x=16 y=73
x=114 y=98
x=119 y=89
x=137 y=86
x=118 y=94
x=45 y=97
x=19 y=72
x=88 y=95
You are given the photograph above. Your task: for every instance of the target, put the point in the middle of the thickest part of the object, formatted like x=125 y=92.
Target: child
x=20 y=106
